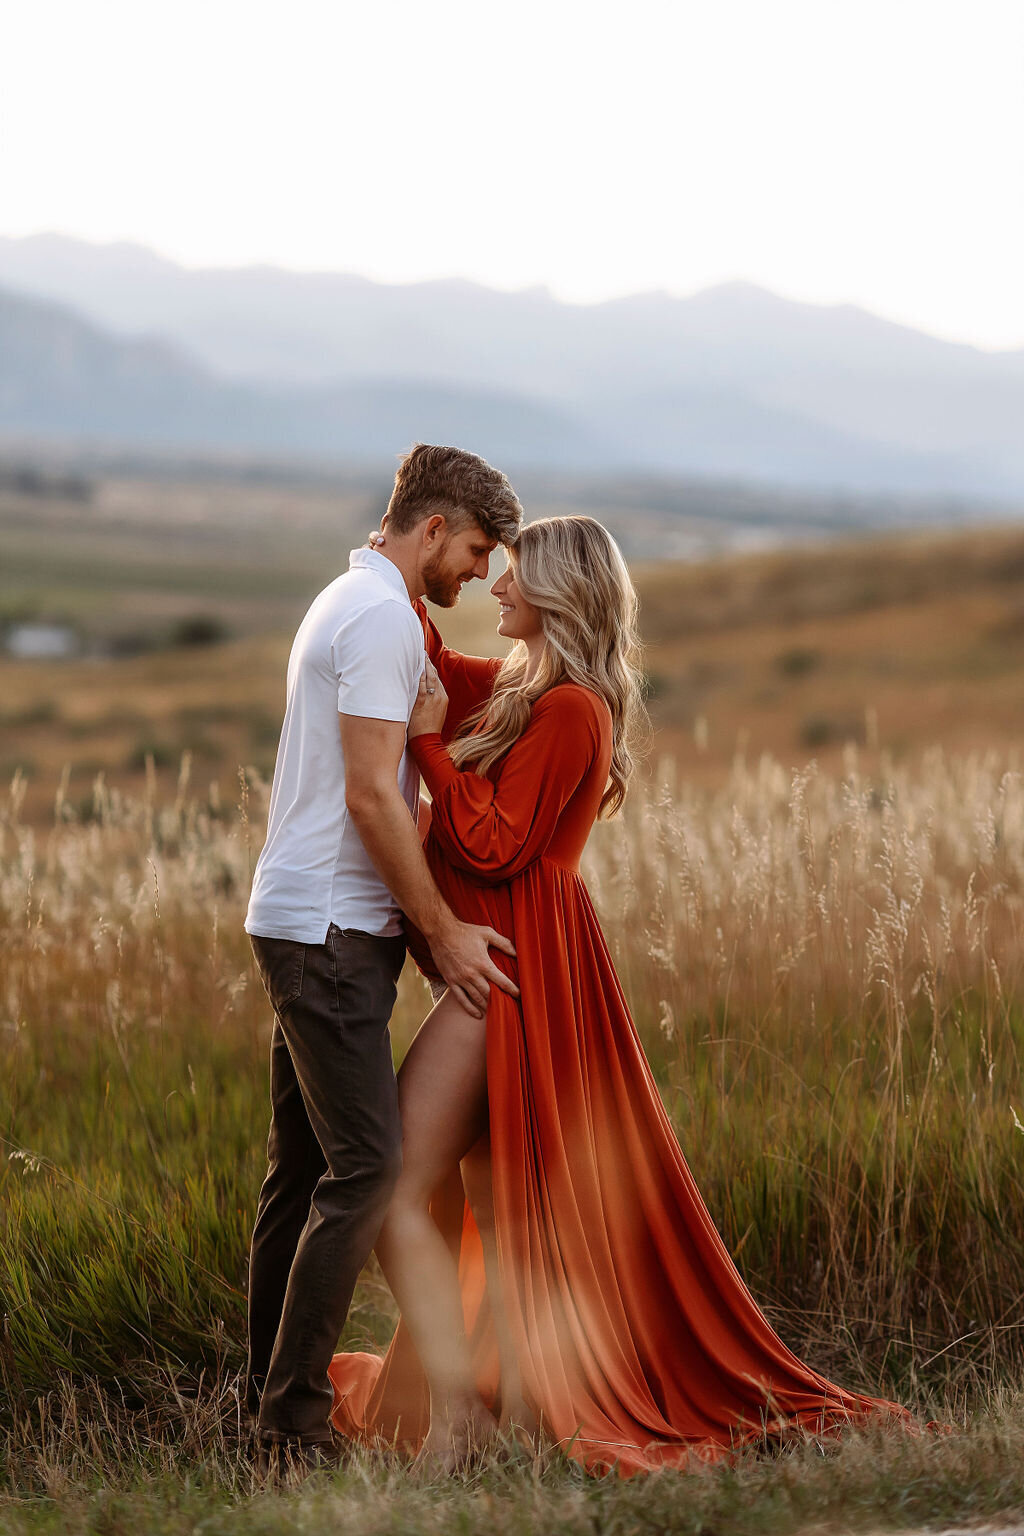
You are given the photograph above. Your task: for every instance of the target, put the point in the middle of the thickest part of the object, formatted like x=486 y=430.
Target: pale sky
x=869 y=151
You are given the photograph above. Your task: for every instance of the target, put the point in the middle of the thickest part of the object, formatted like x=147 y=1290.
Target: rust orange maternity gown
x=638 y=1343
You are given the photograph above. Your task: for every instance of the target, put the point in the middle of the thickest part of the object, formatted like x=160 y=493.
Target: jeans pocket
x=281 y=963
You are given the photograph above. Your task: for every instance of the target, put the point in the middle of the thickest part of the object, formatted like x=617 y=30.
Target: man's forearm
x=390 y=838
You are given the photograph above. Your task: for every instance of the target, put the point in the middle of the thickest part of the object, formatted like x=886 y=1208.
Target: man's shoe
x=293 y=1460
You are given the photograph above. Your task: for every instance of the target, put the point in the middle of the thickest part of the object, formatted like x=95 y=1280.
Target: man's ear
x=434 y=528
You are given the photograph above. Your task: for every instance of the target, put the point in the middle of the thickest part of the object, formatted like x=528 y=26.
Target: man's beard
x=440 y=584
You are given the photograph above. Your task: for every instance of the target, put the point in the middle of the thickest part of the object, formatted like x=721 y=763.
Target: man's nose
x=482 y=567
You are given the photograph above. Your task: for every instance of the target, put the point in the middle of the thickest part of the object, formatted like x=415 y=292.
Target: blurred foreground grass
x=826 y=969
x=184 y=1477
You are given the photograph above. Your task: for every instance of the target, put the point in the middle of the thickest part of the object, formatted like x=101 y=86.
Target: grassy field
x=824 y=960
x=826 y=971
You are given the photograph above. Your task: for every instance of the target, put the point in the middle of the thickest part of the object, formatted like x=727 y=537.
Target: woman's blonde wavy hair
x=571 y=569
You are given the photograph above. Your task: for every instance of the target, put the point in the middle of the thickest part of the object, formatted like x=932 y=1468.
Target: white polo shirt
x=358 y=651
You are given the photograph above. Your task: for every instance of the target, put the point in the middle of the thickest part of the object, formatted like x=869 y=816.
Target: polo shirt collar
x=370 y=560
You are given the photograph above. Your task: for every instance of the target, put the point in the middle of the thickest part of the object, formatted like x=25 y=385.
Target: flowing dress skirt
x=639 y=1346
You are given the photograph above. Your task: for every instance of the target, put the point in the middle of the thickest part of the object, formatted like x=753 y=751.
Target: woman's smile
x=517 y=618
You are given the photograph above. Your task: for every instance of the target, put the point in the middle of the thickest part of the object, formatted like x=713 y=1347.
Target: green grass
x=827 y=975
x=184 y=1475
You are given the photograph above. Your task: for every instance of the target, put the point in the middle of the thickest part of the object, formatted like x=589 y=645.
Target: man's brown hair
x=461 y=486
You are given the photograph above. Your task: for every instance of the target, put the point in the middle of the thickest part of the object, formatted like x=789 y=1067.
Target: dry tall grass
x=827 y=975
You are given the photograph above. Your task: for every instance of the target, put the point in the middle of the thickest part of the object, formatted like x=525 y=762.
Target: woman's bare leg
x=476 y=1178
x=442 y=1095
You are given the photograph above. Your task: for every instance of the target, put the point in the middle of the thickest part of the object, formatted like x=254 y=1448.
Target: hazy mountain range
x=117 y=344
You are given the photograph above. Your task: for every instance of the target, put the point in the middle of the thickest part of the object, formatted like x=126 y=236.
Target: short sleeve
x=378 y=658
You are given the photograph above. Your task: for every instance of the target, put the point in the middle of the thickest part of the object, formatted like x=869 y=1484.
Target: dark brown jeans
x=334 y=1153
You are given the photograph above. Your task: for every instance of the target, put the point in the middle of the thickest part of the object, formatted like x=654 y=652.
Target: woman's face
x=518 y=619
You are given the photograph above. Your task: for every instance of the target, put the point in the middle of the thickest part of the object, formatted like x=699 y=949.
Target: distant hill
x=62 y=377
x=733 y=381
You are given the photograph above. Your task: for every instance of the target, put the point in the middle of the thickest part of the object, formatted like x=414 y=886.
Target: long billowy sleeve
x=467 y=680
x=495 y=829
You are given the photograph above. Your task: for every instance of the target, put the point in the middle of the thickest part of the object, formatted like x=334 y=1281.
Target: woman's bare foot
x=518 y=1422
x=459 y=1431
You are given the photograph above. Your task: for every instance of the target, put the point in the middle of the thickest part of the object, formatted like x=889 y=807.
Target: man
x=342 y=859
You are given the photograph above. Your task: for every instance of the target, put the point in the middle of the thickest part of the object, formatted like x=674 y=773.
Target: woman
x=555 y=1266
